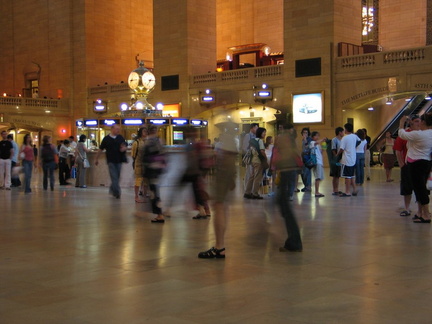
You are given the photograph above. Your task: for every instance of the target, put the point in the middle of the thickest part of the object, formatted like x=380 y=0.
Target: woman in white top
x=360 y=157
x=419 y=162
x=268 y=151
x=80 y=155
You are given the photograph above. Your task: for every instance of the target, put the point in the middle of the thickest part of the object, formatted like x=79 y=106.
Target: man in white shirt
x=348 y=150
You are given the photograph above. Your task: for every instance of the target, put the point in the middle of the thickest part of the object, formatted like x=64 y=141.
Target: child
x=318 y=170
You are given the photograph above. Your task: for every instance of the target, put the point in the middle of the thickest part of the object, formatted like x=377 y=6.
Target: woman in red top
x=27 y=156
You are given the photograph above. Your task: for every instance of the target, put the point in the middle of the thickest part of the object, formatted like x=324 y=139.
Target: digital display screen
x=178 y=136
x=308 y=108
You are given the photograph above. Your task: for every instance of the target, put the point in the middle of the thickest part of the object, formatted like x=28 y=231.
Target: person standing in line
x=154 y=165
x=360 y=157
x=285 y=160
x=48 y=154
x=306 y=172
x=256 y=167
x=225 y=172
x=28 y=159
x=400 y=148
x=245 y=147
x=72 y=147
x=269 y=144
x=81 y=155
x=115 y=148
x=388 y=156
x=63 y=166
x=334 y=158
x=15 y=180
x=318 y=169
x=6 y=153
x=367 y=156
x=419 y=162
x=348 y=151
x=138 y=166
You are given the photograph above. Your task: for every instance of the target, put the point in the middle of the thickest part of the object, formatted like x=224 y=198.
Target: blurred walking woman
x=419 y=162
x=138 y=165
x=80 y=155
x=48 y=157
x=27 y=156
x=259 y=160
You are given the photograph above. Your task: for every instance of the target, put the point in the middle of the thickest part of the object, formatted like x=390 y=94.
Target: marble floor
x=81 y=256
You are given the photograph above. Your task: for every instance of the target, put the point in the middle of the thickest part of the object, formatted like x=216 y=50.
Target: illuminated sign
x=100 y=106
x=196 y=122
x=79 y=123
x=158 y=121
x=207 y=98
x=91 y=122
x=308 y=108
x=132 y=122
x=205 y=122
x=176 y=121
x=108 y=122
x=264 y=94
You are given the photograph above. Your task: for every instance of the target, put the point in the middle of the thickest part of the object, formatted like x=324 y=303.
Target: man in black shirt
x=6 y=153
x=115 y=148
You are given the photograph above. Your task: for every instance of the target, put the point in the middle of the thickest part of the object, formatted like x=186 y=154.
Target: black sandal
x=199 y=217
x=422 y=220
x=212 y=253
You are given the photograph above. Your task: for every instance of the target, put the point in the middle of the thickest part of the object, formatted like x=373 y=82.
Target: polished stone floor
x=81 y=256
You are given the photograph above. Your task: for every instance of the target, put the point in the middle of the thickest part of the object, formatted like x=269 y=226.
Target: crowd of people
x=270 y=162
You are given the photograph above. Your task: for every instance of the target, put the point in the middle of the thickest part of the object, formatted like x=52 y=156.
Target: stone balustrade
x=383 y=60
x=33 y=104
x=239 y=75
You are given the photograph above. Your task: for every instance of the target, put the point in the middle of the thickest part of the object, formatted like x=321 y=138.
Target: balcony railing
x=31 y=103
x=382 y=60
x=250 y=74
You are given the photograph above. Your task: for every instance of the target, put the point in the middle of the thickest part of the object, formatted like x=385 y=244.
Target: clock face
x=148 y=80
x=133 y=80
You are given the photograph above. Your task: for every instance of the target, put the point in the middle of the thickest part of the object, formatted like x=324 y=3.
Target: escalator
x=418 y=105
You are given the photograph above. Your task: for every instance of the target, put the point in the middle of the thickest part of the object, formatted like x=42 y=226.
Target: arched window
x=370 y=22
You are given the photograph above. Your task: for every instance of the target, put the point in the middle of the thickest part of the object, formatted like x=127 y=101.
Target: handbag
x=247 y=158
x=86 y=164
x=429 y=182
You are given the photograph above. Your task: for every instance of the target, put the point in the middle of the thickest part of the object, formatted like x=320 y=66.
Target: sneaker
x=291 y=198
x=248 y=196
